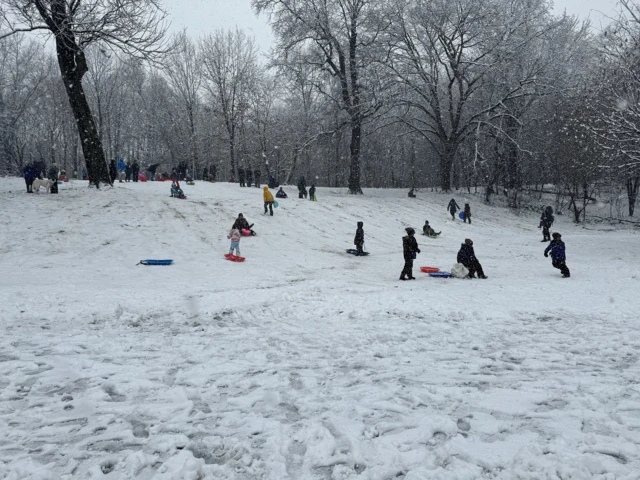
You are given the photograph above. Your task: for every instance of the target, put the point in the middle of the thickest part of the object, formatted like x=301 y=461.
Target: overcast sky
x=200 y=17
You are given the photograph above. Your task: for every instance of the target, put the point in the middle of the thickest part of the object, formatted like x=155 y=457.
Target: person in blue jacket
x=558 y=255
x=30 y=174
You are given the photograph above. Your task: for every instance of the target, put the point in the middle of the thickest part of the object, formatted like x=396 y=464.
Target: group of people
x=454 y=208
x=466 y=258
x=124 y=171
x=247 y=177
x=36 y=171
x=302 y=190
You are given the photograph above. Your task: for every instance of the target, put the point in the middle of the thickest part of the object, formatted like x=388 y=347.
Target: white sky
x=200 y=17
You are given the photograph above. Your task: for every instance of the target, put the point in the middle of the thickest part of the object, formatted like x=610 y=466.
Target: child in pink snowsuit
x=235 y=236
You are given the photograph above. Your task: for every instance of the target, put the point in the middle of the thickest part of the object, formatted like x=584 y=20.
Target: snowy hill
x=305 y=362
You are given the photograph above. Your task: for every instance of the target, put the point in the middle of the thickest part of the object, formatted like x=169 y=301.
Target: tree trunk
x=354 y=171
x=633 y=185
x=446 y=166
x=73 y=66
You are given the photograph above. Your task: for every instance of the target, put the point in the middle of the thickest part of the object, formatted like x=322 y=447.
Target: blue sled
x=156 y=262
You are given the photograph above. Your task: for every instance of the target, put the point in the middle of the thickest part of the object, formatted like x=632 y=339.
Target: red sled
x=233 y=258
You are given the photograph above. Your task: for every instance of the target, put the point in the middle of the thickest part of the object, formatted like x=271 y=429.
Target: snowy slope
x=305 y=362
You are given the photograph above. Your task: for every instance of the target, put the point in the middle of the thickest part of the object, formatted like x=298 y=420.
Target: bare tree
x=135 y=27
x=184 y=70
x=230 y=61
x=339 y=38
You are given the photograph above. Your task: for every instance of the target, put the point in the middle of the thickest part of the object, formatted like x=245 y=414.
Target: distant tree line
x=493 y=96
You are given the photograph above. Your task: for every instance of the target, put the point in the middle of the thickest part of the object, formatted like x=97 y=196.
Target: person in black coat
x=241 y=176
x=249 y=175
x=151 y=171
x=30 y=174
x=302 y=188
x=312 y=193
x=256 y=177
x=358 y=241
x=281 y=193
x=409 y=251
x=135 y=171
x=127 y=172
x=546 y=220
x=113 y=171
x=467 y=213
x=241 y=223
x=467 y=257
x=453 y=208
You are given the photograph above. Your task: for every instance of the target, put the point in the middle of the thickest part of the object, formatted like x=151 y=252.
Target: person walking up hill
x=268 y=200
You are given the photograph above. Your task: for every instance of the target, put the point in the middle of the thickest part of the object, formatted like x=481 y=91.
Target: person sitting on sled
x=242 y=225
x=467 y=257
x=176 y=191
x=428 y=231
x=234 y=235
x=281 y=193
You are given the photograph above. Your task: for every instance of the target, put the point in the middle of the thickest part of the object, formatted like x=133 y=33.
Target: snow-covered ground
x=305 y=362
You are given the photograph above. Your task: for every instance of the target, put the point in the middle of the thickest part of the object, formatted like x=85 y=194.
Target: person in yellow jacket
x=268 y=200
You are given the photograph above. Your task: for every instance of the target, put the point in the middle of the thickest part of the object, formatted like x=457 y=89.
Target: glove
x=546 y=254
x=418 y=250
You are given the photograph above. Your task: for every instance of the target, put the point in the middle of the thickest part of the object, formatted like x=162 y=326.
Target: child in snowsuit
x=176 y=191
x=453 y=208
x=312 y=193
x=467 y=213
x=358 y=241
x=281 y=193
x=546 y=220
x=268 y=200
x=428 y=231
x=235 y=236
x=558 y=255
x=409 y=251
x=467 y=257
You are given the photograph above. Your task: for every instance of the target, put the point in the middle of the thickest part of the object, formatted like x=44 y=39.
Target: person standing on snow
x=30 y=175
x=249 y=175
x=546 y=220
x=135 y=171
x=268 y=200
x=53 y=175
x=241 y=176
x=467 y=257
x=127 y=172
x=558 y=255
x=256 y=177
x=453 y=208
x=122 y=167
x=312 y=193
x=302 y=187
x=409 y=251
x=235 y=236
x=467 y=213
x=358 y=241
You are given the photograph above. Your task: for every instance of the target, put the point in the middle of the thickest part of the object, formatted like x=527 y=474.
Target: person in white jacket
x=235 y=236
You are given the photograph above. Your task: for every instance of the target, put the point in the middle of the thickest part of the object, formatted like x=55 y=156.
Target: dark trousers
x=453 y=213
x=249 y=180
x=300 y=194
x=359 y=250
x=270 y=205
x=546 y=236
x=54 y=187
x=257 y=182
x=135 y=175
x=467 y=217
x=408 y=268
x=29 y=182
x=242 y=182
x=562 y=266
x=475 y=267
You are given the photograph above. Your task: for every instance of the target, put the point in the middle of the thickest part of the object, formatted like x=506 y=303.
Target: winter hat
x=556 y=235
x=410 y=230
x=468 y=241
x=265 y=188
x=240 y=215
x=360 y=224
x=426 y=222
